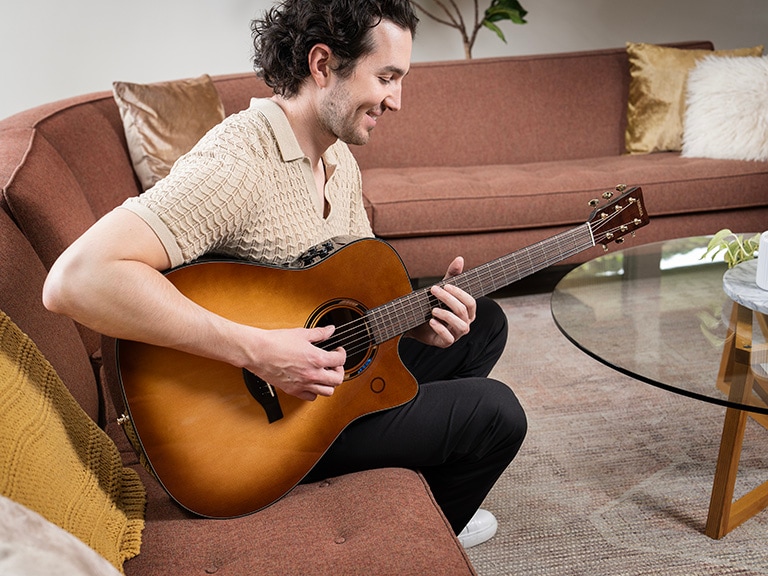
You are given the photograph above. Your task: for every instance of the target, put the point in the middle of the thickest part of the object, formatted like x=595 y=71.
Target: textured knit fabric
x=56 y=461
x=247 y=191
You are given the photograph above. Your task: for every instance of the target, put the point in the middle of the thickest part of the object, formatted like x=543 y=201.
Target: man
x=265 y=185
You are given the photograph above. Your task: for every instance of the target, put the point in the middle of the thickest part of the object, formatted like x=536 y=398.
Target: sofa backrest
x=508 y=110
x=21 y=282
x=64 y=165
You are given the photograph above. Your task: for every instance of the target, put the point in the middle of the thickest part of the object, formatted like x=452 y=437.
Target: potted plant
x=734 y=247
x=449 y=13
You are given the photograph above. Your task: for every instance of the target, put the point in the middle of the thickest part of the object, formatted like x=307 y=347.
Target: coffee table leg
x=718 y=520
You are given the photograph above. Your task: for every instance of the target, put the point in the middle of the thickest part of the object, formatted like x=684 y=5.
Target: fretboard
x=402 y=314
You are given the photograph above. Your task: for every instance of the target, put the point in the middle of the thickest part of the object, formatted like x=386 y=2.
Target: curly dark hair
x=283 y=38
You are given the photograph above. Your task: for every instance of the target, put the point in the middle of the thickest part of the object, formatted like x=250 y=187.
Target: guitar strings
x=358 y=335
x=396 y=317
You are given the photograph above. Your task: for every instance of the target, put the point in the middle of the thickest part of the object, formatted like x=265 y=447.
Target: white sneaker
x=479 y=529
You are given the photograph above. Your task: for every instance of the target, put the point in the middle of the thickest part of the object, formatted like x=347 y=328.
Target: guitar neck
x=407 y=312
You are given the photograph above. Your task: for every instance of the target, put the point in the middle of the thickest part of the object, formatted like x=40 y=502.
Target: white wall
x=51 y=49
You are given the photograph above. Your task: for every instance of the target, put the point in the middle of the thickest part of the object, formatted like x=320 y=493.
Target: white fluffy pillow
x=727 y=109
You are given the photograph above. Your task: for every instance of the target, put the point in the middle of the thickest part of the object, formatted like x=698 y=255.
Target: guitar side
x=206 y=438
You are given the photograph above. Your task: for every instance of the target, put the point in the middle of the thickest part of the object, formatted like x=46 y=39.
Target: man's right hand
x=290 y=360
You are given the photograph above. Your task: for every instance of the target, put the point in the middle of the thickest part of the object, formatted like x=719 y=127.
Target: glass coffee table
x=658 y=312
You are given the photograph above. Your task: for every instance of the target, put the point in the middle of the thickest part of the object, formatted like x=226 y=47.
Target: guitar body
x=206 y=438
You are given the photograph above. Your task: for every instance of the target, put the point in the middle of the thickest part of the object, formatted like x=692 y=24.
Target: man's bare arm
x=110 y=280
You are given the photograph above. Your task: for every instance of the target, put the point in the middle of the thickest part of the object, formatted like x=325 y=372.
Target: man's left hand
x=451 y=323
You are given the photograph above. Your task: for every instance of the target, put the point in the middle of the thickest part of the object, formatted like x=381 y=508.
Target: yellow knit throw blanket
x=56 y=461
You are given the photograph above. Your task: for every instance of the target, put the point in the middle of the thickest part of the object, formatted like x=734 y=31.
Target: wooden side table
x=741 y=374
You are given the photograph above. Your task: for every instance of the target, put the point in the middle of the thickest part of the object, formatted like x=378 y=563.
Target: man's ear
x=320 y=60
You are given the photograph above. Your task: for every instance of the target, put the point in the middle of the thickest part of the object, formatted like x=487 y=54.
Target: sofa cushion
x=164 y=120
x=21 y=288
x=374 y=522
x=656 y=102
x=727 y=109
x=71 y=169
x=46 y=201
x=417 y=202
x=56 y=460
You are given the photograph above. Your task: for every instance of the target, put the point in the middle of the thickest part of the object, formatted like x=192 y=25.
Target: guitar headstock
x=619 y=217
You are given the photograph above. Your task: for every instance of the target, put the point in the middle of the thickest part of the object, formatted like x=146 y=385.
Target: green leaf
x=491 y=26
x=717 y=244
x=505 y=10
x=499 y=14
x=734 y=248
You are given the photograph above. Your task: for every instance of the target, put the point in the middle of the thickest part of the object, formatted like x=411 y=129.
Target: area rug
x=615 y=475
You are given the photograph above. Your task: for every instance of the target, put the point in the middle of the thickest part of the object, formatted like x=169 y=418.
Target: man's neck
x=313 y=138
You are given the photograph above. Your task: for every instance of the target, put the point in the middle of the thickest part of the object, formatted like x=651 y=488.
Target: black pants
x=461 y=431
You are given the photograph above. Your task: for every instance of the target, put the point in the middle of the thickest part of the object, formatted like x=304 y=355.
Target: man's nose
x=394 y=100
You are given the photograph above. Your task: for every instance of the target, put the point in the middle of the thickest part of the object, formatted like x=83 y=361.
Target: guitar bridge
x=264 y=394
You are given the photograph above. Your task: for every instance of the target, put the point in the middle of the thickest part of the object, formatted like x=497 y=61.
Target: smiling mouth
x=375 y=113
x=374 y=118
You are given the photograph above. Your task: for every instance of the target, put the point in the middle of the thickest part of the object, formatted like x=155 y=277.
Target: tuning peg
x=621 y=187
x=607 y=195
x=594 y=202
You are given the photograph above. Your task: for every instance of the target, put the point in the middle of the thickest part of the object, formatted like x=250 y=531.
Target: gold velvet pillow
x=656 y=105
x=162 y=121
x=56 y=461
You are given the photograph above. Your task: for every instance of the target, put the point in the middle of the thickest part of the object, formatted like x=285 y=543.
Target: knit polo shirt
x=247 y=191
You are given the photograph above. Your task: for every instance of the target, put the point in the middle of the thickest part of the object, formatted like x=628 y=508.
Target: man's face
x=353 y=104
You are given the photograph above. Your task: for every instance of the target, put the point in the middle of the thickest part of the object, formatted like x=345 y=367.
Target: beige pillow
x=56 y=461
x=656 y=104
x=162 y=121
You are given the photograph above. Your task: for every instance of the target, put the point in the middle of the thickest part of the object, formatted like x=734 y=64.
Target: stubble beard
x=341 y=119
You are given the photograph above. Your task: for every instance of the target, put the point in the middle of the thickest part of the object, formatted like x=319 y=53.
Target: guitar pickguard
x=264 y=394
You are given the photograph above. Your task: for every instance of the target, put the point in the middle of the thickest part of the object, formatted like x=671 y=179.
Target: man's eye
x=385 y=79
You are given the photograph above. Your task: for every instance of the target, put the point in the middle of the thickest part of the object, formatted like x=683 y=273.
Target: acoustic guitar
x=223 y=442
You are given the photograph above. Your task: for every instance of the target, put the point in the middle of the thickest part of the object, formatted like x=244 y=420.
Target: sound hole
x=351 y=333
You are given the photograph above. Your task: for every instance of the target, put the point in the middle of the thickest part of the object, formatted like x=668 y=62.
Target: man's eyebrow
x=395 y=70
